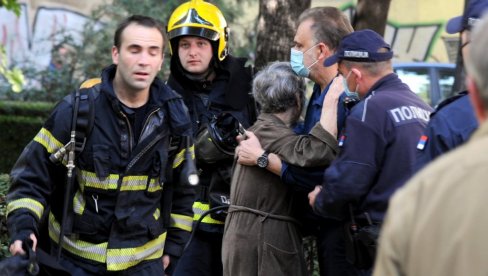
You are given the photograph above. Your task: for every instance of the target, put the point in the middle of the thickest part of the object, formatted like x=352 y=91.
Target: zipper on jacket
x=147 y=121
x=144 y=150
x=131 y=138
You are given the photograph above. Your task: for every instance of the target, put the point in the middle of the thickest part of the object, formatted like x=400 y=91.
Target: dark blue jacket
x=450 y=125
x=377 y=152
x=124 y=191
x=303 y=180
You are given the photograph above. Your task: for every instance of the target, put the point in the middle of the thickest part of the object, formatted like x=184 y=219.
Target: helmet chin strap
x=200 y=77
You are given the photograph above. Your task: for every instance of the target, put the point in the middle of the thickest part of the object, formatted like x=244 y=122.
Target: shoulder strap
x=84 y=98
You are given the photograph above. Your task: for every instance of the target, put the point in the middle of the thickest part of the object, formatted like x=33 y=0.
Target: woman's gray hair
x=277 y=88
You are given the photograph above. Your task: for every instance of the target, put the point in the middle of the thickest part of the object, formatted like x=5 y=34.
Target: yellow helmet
x=199 y=18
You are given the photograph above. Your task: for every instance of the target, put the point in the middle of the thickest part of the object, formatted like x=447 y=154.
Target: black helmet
x=217 y=141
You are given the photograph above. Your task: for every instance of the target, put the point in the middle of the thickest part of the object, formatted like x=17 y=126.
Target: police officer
x=377 y=143
x=212 y=83
x=127 y=175
x=454 y=120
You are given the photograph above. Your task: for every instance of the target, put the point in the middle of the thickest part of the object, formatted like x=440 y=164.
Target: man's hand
x=336 y=88
x=248 y=150
x=313 y=195
x=16 y=246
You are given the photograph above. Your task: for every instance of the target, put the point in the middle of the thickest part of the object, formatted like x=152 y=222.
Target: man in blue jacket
x=377 y=153
x=318 y=34
x=454 y=121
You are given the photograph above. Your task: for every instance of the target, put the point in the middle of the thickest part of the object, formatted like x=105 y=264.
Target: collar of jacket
x=156 y=98
x=160 y=95
x=238 y=85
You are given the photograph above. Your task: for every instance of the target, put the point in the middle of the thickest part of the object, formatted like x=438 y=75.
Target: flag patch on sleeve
x=341 y=140
x=422 y=141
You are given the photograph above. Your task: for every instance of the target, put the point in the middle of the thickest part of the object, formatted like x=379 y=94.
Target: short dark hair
x=142 y=20
x=329 y=26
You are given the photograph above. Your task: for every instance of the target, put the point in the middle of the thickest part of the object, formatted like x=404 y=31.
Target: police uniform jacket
x=450 y=125
x=123 y=193
x=377 y=151
x=436 y=224
x=228 y=92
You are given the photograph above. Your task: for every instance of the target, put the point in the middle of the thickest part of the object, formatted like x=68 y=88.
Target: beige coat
x=437 y=224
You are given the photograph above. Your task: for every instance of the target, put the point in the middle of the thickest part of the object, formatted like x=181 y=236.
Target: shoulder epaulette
x=450 y=100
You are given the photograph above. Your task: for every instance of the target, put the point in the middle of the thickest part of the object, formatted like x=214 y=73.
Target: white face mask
x=296 y=62
x=349 y=93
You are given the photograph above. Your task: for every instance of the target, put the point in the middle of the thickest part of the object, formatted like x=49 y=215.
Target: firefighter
x=212 y=82
x=126 y=175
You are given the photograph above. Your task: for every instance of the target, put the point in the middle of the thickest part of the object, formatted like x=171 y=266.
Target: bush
x=19 y=122
x=4 y=239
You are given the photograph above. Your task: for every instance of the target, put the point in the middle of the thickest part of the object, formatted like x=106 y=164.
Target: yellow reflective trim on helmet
x=47 y=140
x=181 y=221
x=123 y=258
x=199 y=208
x=27 y=203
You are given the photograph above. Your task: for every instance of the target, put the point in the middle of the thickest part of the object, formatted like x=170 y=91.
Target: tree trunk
x=276 y=26
x=371 y=14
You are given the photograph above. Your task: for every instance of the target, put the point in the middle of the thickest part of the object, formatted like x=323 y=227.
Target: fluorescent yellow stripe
x=116 y=259
x=79 y=203
x=32 y=205
x=123 y=258
x=181 y=221
x=47 y=140
x=90 y=179
x=139 y=183
x=86 y=250
x=157 y=214
x=180 y=157
x=199 y=208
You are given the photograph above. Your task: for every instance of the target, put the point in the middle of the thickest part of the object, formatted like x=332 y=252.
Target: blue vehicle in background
x=431 y=81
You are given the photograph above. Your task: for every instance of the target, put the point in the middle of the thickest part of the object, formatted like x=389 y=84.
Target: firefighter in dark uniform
x=129 y=213
x=377 y=152
x=454 y=120
x=212 y=83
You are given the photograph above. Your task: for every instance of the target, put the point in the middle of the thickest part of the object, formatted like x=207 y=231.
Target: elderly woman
x=261 y=235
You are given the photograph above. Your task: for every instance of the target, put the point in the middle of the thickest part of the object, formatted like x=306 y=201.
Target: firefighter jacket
x=228 y=92
x=127 y=205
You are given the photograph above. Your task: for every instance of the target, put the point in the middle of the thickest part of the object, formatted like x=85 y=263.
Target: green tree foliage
x=14 y=77
x=87 y=58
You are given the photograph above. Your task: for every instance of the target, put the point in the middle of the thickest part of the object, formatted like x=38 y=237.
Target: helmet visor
x=194 y=31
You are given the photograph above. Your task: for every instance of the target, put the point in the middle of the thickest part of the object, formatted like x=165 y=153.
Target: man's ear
x=115 y=55
x=325 y=51
x=356 y=73
x=476 y=100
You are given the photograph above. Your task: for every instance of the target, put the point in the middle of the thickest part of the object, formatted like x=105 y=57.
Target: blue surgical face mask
x=296 y=62
x=349 y=93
